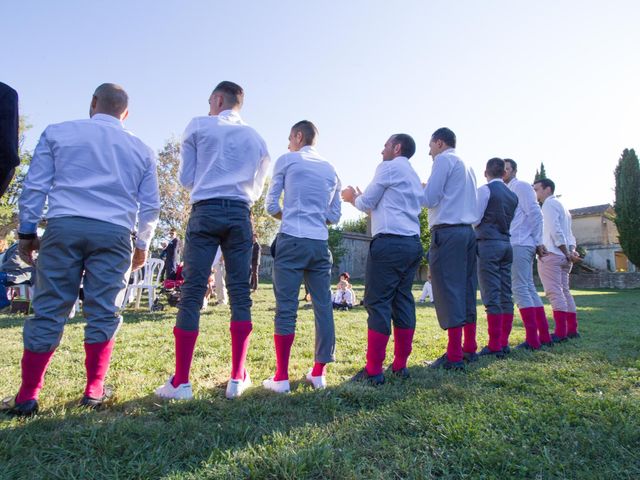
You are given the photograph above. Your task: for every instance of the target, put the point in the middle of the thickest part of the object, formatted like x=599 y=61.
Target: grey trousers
x=297 y=259
x=554 y=272
x=494 y=275
x=452 y=259
x=391 y=267
x=69 y=247
x=524 y=290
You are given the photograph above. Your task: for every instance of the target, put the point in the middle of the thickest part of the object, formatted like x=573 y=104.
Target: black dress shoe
x=557 y=339
x=573 y=335
x=443 y=362
x=96 y=403
x=363 y=376
x=402 y=373
x=524 y=346
x=470 y=357
x=22 y=409
x=547 y=344
x=506 y=350
x=487 y=351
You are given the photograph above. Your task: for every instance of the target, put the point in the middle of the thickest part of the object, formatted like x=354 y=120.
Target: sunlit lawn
x=572 y=411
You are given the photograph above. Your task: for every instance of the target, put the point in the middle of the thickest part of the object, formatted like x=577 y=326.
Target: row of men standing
x=95 y=198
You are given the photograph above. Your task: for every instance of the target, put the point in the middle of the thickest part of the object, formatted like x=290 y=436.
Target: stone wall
x=618 y=280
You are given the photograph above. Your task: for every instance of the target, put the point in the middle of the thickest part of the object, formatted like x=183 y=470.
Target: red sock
x=454 y=347
x=572 y=323
x=402 y=342
x=543 y=325
x=560 y=318
x=469 y=334
x=494 y=327
x=376 y=351
x=185 y=344
x=507 y=323
x=530 y=329
x=283 y=351
x=240 y=332
x=319 y=369
x=34 y=366
x=96 y=362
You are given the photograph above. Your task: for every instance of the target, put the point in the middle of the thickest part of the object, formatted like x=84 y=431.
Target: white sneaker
x=235 y=388
x=181 y=392
x=318 y=382
x=278 y=386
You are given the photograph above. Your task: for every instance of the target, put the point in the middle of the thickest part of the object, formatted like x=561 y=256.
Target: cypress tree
x=627 y=204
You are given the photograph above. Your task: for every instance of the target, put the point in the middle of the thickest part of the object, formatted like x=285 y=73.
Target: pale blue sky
x=552 y=81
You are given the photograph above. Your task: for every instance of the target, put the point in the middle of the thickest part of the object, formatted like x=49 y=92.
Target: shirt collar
x=106 y=118
x=399 y=157
x=308 y=148
x=231 y=116
x=495 y=180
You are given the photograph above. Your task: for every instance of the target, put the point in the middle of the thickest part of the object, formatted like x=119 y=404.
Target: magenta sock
x=185 y=341
x=454 y=346
x=283 y=345
x=376 y=351
x=34 y=366
x=402 y=345
x=240 y=332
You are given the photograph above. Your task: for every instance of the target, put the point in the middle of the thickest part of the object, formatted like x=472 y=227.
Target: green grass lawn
x=571 y=411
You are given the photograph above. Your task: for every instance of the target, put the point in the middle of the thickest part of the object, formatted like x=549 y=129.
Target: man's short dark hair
x=232 y=92
x=495 y=167
x=308 y=130
x=514 y=165
x=547 y=183
x=112 y=98
x=446 y=135
x=407 y=144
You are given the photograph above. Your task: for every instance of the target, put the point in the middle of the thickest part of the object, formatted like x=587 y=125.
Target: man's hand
x=350 y=194
x=139 y=259
x=26 y=249
x=575 y=257
x=541 y=250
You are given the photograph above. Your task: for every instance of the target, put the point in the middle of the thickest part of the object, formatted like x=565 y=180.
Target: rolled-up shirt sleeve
x=272 y=203
x=483 y=200
x=374 y=191
x=434 y=189
x=37 y=184
x=335 y=207
x=188 y=154
x=149 y=204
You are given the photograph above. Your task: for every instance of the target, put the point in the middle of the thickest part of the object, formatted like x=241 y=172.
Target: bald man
x=97 y=179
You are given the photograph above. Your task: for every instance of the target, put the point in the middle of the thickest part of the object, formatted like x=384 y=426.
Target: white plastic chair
x=150 y=281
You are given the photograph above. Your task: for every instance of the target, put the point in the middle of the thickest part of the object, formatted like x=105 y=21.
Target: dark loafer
x=363 y=376
x=470 y=357
x=524 y=346
x=487 y=351
x=22 y=409
x=96 y=403
x=443 y=362
x=557 y=339
x=573 y=335
x=402 y=373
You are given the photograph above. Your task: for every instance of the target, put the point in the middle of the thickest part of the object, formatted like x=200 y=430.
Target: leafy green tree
x=174 y=199
x=425 y=233
x=264 y=225
x=335 y=244
x=9 y=201
x=540 y=174
x=355 y=226
x=627 y=204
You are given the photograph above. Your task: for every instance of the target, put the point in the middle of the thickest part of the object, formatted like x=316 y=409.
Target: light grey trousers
x=77 y=250
x=525 y=294
x=295 y=259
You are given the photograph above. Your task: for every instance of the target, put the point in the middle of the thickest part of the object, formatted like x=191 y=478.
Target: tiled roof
x=594 y=210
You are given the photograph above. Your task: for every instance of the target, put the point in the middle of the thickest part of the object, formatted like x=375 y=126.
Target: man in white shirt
x=450 y=194
x=526 y=241
x=555 y=266
x=97 y=178
x=311 y=202
x=393 y=200
x=496 y=207
x=224 y=165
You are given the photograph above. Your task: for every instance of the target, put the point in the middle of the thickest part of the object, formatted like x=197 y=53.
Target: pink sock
x=507 y=323
x=454 y=347
x=376 y=351
x=572 y=323
x=34 y=366
x=530 y=328
x=319 y=369
x=403 y=339
x=240 y=332
x=560 y=318
x=543 y=325
x=185 y=345
x=494 y=327
x=469 y=334
x=283 y=351
x=96 y=362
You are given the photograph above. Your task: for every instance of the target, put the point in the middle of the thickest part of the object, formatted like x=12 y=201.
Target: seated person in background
x=344 y=298
x=14 y=271
x=427 y=291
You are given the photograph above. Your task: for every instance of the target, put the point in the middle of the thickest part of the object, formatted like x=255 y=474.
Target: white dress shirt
x=345 y=295
x=311 y=194
x=393 y=198
x=450 y=192
x=483 y=199
x=526 y=226
x=556 y=226
x=222 y=157
x=92 y=168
